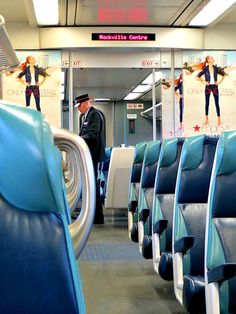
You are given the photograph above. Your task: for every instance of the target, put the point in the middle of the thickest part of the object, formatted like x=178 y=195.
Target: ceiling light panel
x=149 y=79
x=46 y=12
x=211 y=12
x=132 y=96
x=142 y=88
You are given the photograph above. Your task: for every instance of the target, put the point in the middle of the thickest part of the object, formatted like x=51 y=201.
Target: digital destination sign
x=124 y=36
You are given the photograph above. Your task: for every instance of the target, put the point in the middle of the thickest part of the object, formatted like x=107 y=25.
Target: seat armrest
x=160 y=226
x=183 y=244
x=132 y=206
x=143 y=215
x=221 y=273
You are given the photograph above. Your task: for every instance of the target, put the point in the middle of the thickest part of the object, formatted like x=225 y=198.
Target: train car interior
x=161 y=76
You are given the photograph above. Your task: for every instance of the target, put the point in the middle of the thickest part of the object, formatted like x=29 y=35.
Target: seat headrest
x=152 y=153
x=192 y=152
x=139 y=152
x=222 y=195
x=169 y=150
x=168 y=166
x=226 y=150
x=195 y=169
x=31 y=176
x=150 y=164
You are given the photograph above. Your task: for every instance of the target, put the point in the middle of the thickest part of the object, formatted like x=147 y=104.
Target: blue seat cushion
x=134 y=232
x=194 y=294
x=35 y=267
x=133 y=206
x=143 y=215
x=147 y=247
x=165 y=268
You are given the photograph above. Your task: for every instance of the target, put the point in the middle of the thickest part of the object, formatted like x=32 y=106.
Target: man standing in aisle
x=92 y=130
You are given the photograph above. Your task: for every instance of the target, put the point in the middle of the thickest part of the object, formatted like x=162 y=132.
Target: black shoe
x=98 y=220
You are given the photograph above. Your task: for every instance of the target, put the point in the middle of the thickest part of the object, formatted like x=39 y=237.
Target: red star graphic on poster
x=196 y=128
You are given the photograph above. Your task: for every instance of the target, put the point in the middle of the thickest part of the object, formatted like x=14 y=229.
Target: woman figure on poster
x=210 y=73
x=32 y=83
x=179 y=93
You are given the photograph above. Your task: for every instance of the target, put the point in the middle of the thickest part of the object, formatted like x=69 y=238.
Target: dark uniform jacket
x=92 y=130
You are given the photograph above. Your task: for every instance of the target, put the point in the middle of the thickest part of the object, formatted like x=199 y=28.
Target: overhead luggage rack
x=8 y=57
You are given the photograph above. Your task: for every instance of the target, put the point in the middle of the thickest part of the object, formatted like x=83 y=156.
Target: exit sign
x=134 y=106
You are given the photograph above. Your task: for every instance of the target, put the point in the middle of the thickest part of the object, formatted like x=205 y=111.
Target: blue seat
x=145 y=201
x=163 y=205
x=99 y=173
x=220 y=250
x=104 y=173
x=189 y=219
x=38 y=267
x=134 y=186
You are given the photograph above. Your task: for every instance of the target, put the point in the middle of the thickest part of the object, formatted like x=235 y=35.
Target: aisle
x=117 y=280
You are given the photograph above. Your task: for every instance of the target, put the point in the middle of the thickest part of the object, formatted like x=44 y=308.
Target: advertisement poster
x=35 y=83
x=209 y=92
x=169 y=112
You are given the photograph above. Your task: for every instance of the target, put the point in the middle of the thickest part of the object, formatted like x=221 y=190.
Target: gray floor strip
x=110 y=252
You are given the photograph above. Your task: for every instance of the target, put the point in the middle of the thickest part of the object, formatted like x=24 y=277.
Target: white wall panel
x=23 y=36
x=87 y=58
x=221 y=36
x=62 y=37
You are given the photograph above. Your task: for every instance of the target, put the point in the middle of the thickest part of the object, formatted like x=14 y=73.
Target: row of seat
x=182 y=213
x=103 y=168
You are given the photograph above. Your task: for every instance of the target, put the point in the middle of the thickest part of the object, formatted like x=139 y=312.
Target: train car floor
x=115 y=277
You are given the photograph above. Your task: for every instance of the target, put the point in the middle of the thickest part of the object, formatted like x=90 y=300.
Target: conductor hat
x=80 y=99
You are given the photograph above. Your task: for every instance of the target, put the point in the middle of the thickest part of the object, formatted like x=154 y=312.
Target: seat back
x=134 y=186
x=221 y=220
x=104 y=173
x=163 y=201
x=39 y=270
x=190 y=208
x=99 y=172
x=147 y=182
x=118 y=177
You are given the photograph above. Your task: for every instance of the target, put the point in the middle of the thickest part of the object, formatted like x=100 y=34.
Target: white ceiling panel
x=229 y=17
x=71 y=12
x=115 y=12
x=13 y=10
